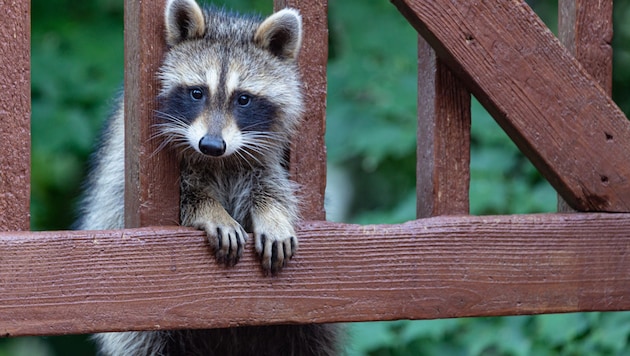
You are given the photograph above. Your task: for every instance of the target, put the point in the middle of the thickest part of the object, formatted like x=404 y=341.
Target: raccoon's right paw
x=227 y=239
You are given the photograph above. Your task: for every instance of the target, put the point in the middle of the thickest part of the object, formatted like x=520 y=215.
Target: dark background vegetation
x=77 y=68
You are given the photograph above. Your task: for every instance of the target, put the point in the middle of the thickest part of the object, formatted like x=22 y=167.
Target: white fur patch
x=195 y=132
x=212 y=79
x=233 y=138
x=232 y=82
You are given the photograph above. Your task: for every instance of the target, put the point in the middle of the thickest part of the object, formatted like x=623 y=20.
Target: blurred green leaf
x=369 y=336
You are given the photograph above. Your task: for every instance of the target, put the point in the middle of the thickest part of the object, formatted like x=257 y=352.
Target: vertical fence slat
x=443 y=168
x=308 y=151
x=586 y=30
x=15 y=115
x=151 y=188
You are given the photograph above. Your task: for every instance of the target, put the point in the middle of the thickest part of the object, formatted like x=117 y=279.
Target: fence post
x=586 y=29
x=15 y=115
x=151 y=186
x=443 y=158
x=308 y=150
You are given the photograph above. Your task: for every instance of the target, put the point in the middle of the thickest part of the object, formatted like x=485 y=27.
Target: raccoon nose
x=212 y=146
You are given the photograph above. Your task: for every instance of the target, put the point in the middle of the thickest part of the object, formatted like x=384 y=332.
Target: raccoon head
x=230 y=84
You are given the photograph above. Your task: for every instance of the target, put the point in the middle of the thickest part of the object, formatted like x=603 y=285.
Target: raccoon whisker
x=175 y=128
x=250 y=155
x=249 y=130
x=168 y=138
x=159 y=133
x=168 y=131
x=270 y=135
x=265 y=140
x=255 y=147
x=170 y=121
x=261 y=146
x=159 y=148
x=240 y=155
x=166 y=116
x=174 y=141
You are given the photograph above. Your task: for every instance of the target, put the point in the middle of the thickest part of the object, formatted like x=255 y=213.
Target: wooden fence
x=154 y=276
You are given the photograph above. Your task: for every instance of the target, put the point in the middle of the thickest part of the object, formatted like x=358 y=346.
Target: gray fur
x=277 y=340
x=230 y=101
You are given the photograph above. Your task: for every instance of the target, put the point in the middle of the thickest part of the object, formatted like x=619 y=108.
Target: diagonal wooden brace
x=554 y=111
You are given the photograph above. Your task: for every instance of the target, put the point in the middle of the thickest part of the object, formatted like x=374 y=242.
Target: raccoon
x=230 y=100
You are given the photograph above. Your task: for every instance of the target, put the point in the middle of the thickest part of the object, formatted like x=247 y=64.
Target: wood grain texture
x=586 y=29
x=159 y=278
x=308 y=150
x=15 y=115
x=152 y=179
x=443 y=167
x=537 y=91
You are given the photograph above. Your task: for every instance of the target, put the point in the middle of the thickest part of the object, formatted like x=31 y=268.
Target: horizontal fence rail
x=159 y=278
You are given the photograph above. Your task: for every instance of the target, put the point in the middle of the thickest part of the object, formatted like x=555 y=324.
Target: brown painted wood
x=160 y=278
x=540 y=95
x=15 y=115
x=152 y=186
x=308 y=150
x=443 y=168
x=586 y=30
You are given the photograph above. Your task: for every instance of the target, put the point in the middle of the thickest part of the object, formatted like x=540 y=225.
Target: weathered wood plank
x=586 y=29
x=15 y=115
x=540 y=95
x=308 y=150
x=159 y=278
x=152 y=179
x=443 y=156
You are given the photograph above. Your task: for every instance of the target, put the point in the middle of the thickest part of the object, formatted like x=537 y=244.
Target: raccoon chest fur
x=233 y=187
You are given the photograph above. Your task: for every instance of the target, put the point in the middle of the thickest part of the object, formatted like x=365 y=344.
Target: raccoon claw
x=274 y=253
x=228 y=243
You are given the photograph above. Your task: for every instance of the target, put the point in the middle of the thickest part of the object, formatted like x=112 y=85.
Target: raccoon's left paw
x=275 y=244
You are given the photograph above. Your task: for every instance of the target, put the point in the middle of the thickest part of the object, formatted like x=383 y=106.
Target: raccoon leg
x=226 y=236
x=274 y=236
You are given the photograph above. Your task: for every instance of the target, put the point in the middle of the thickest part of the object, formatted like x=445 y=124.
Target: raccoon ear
x=184 y=20
x=281 y=33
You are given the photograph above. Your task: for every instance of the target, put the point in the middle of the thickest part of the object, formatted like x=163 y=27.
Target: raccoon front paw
x=227 y=240
x=275 y=247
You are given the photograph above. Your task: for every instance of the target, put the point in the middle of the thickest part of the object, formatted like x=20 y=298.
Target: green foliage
x=77 y=69
x=73 y=73
x=371 y=107
x=502 y=179
x=554 y=334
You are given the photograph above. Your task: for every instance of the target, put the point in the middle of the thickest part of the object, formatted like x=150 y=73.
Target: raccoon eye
x=196 y=94
x=243 y=100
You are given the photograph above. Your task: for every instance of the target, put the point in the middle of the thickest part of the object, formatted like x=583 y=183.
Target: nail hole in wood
x=609 y=137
